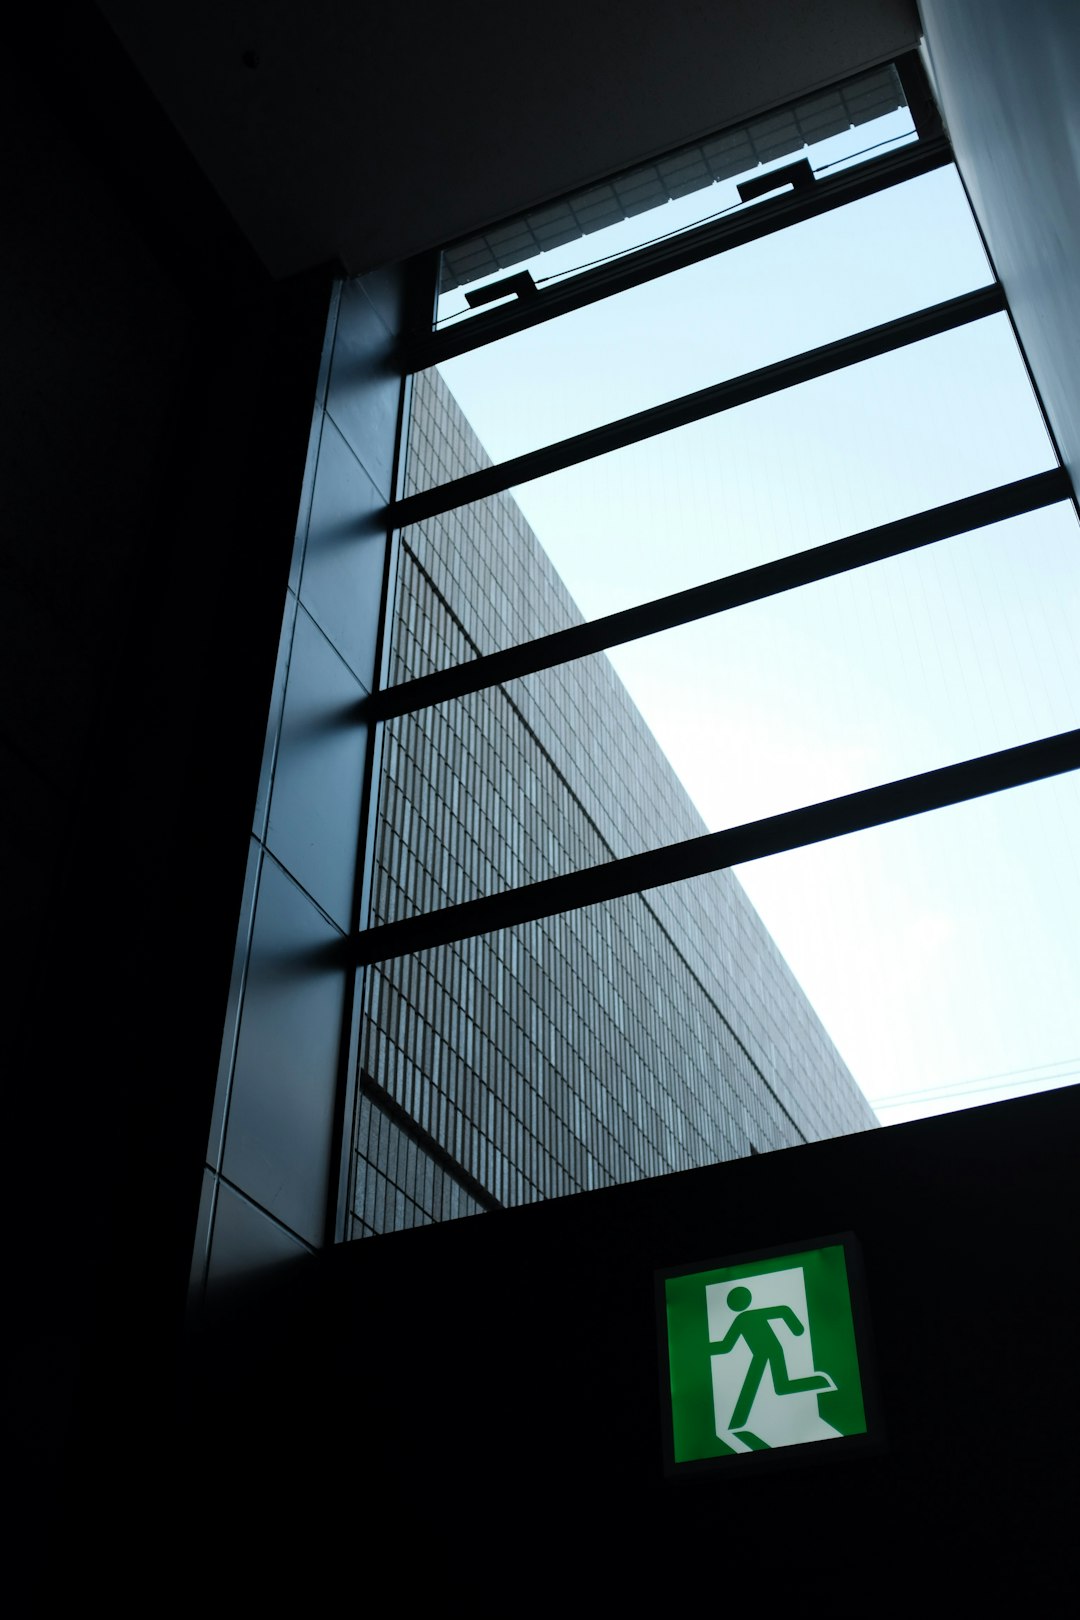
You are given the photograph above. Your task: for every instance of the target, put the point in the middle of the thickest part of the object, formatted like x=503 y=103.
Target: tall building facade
x=653 y=1033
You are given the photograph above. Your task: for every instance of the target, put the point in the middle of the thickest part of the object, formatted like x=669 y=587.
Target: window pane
x=835 y=128
x=942 y=952
x=604 y=1045
x=963 y=648
x=957 y=650
x=937 y=956
x=928 y=424
x=860 y=266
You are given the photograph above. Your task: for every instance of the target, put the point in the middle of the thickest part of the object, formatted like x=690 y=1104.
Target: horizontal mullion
x=694 y=407
x=678 y=252
x=720 y=595
x=713 y=852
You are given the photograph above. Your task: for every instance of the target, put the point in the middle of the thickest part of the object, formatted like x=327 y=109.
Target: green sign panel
x=762 y=1354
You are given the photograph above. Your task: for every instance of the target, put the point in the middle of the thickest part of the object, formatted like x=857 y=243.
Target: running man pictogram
x=755 y=1327
x=762 y=1354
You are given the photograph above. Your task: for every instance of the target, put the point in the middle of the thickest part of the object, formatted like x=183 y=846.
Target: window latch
x=799 y=176
x=520 y=286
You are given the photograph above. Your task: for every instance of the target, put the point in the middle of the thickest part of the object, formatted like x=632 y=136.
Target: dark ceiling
x=343 y=130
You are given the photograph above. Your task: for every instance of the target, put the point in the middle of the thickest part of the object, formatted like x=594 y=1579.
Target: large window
x=764 y=408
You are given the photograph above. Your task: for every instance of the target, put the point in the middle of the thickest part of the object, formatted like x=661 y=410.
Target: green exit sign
x=765 y=1352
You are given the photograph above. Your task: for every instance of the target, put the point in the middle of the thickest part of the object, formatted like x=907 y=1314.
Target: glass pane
x=941 y=953
x=957 y=650
x=838 y=127
x=960 y=649
x=928 y=424
x=604 y=1045
x=936 y=956
x=860 y=266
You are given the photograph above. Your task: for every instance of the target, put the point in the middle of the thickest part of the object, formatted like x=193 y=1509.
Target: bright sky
x=942 y=953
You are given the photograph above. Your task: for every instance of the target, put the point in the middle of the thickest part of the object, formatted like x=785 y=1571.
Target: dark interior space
x=325 y=1422
x=476 y=1406
x=159 y=395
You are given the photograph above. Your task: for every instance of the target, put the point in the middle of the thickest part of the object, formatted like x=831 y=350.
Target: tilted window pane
x=834 y=128
x=873 y=261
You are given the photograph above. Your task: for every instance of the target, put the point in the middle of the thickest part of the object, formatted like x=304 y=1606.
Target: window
x=534 y=1016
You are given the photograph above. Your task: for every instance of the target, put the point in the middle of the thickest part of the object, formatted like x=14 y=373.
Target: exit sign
x=765 y=1352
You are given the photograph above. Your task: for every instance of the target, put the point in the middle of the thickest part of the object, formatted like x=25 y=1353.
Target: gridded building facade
x=649 y=1034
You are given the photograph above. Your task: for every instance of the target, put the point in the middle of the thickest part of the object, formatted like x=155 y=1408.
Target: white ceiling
x=339 y=129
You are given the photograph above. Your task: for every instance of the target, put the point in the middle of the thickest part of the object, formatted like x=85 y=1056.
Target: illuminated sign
x=763 y=1353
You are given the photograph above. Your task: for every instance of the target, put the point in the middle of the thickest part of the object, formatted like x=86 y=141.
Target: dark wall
x=470 y=1413
x=197 y=461
x=156 y=420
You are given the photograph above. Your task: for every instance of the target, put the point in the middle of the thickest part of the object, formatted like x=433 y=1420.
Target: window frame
x=896 y=800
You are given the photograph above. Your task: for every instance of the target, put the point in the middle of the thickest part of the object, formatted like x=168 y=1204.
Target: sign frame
x=840 y=1447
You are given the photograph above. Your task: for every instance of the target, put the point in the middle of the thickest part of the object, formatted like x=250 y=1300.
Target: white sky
x=941 y=950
